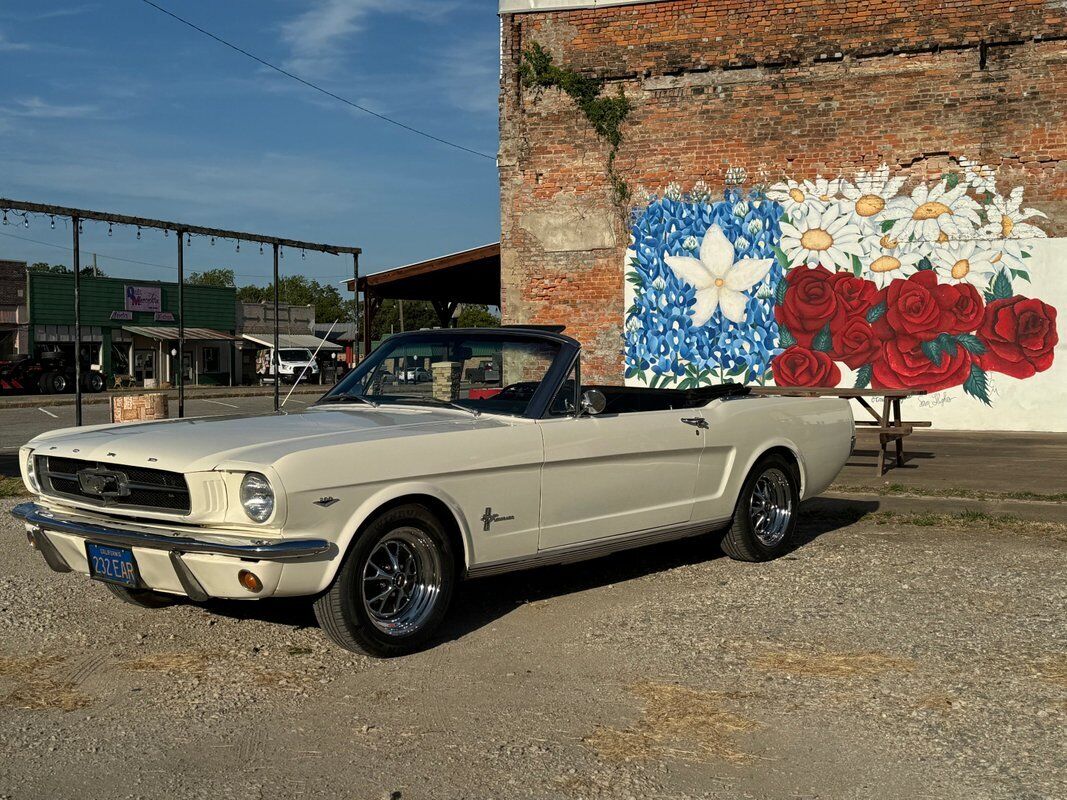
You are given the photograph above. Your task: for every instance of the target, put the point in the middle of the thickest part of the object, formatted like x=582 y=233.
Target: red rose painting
x=916 y=333
x=912 y=368
x=1019 y=335
x=855 y=343
x=799 y=366
x=810 y=303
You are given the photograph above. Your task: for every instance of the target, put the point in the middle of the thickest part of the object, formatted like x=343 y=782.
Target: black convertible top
x=628 y=399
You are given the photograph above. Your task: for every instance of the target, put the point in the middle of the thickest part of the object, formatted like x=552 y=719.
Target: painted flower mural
x=719 y=280
x=796 y=284
x=675 y=338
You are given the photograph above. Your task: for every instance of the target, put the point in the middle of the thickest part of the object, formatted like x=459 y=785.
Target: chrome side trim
x=130 y=536
x=594 y=549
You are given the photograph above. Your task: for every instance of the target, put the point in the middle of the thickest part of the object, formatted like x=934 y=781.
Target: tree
x=477 y=316
x=55 y=269
x=63 y=269
x=299 y=290
x=420 y=314
x=222 y=278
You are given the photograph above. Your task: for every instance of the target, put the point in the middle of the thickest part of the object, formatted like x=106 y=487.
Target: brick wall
x=779 y=87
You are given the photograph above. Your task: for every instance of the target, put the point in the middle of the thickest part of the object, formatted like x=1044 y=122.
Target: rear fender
x=762 y=449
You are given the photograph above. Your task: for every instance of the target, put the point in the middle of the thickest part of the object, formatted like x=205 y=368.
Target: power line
x=170 y=268
x=314 y=86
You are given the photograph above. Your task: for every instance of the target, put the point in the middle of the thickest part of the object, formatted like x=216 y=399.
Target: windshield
x=483 y=372
x=295 y=354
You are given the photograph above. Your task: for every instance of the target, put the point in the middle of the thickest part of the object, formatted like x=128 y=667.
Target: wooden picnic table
x=888 y=423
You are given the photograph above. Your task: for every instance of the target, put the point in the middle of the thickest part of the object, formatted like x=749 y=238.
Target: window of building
x=212 y=359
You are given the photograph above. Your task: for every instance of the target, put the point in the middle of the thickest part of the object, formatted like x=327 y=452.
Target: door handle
x=698 y=422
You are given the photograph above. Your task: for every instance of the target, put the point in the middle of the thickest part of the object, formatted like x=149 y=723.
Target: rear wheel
x=766 y=514
x=393 y=589
x=44 y=383
x=145 y=598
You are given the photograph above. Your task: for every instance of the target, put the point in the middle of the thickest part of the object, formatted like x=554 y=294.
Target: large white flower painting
x=718 y=279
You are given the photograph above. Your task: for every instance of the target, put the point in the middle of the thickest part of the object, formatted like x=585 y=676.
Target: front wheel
x=393 y=589
x=766 y=514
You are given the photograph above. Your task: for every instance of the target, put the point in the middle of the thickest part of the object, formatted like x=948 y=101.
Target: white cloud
x=36 y=108
x=469 y=75
x=317 y=38
x=8 y=46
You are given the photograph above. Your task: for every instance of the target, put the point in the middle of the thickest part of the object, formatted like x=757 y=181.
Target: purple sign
x=144 y=298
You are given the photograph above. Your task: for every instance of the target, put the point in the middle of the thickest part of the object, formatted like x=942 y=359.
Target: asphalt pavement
x=19 y=425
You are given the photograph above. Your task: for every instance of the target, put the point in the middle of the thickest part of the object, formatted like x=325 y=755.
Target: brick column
x=446 y=375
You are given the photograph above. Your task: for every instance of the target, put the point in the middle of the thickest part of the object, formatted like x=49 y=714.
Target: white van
x=294 y=364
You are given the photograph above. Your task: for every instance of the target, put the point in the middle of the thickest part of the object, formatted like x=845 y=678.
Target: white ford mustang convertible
x=380 y=498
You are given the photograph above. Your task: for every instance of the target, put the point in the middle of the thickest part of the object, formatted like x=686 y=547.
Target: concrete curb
x=50 y=401
x=1033 y=510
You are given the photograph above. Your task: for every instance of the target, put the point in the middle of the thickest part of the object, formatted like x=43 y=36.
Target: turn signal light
x=31 y=540
x=249 y=580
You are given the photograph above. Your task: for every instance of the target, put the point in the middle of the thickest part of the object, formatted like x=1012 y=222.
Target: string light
x=25 y=221
x=260 y=247
x=238 y=245
x=138 y=231
x=53 y=222
x=281 y=252
x=188 y=240
x=303 y=255
x=80 y=228
x=5 y=217
x=212 y=241
x=166 y=233
x=109 y=230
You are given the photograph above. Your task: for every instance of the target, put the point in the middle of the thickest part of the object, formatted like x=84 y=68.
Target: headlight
x=257 y=497
x=31 y=472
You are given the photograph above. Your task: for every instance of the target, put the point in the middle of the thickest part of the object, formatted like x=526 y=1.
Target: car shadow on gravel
x=481 y=602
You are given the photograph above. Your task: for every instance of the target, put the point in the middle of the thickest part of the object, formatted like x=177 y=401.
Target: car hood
x=203 y=443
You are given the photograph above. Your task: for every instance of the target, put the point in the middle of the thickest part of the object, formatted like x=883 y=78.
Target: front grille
x=142 y=487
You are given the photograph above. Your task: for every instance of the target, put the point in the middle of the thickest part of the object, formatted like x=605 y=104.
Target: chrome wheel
x=401 y=581
x=770 y=507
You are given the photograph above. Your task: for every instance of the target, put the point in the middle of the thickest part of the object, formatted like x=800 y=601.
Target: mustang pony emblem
x=488 y=518
x=103 y=482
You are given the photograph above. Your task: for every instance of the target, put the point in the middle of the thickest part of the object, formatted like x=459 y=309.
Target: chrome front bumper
x=119 y=533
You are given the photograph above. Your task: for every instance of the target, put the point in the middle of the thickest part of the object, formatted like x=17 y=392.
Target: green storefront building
x=130 y=327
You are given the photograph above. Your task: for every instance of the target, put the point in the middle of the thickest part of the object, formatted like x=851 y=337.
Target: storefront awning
x=168 y=333
x=292 y=340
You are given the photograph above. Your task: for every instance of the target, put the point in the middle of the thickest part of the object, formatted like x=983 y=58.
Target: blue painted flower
x=662 y=334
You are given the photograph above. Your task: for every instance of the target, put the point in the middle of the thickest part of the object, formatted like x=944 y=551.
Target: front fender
x=387 y=494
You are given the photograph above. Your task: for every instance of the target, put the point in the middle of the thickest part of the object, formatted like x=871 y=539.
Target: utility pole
x=401 y=302
x=96 y=272
x=76 y=226
x=181 y=325
x=275 y=363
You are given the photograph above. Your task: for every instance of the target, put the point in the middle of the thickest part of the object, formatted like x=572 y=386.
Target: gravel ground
x=887 y=657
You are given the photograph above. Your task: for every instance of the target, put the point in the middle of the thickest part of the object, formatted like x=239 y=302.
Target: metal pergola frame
x=182 y=230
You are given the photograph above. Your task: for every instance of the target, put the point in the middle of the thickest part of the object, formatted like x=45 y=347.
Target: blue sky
x=114 y=106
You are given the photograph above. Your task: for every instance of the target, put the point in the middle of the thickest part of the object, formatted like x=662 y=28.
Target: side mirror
x=593 y=402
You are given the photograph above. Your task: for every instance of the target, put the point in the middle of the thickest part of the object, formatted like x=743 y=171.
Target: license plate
x=111 y=564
